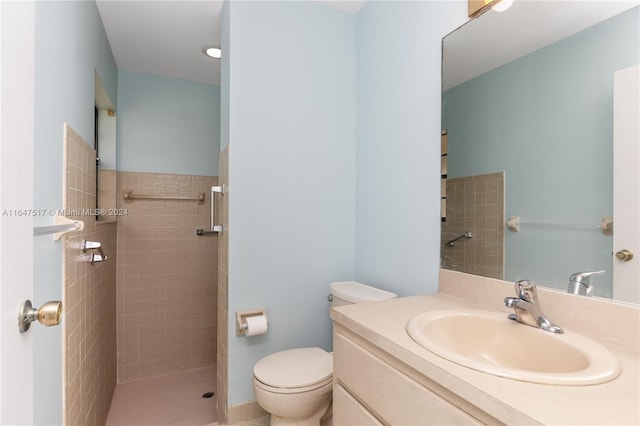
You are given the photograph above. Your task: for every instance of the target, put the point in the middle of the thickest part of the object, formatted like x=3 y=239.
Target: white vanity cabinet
x=348 y=411
x=383 y=376
x=372 y=388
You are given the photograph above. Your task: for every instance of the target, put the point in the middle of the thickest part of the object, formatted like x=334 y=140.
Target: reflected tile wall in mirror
x=475 y=204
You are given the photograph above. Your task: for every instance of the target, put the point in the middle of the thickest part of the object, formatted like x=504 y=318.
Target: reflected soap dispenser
x=579 y=283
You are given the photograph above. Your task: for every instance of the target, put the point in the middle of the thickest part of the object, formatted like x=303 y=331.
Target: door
x=17 y=34
x=626 y=184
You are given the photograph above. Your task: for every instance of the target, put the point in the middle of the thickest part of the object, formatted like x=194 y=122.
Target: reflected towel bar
x=606 y=226
x=129 y=196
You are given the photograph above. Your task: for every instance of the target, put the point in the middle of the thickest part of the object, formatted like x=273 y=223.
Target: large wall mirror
x=105 y=146
x=527 y=113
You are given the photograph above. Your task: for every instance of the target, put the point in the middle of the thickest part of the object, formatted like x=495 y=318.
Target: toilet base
x=311 y=420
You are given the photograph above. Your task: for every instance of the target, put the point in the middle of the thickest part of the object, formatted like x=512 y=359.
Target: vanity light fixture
x=478 y=7
x=212 y=52
x=502 y=5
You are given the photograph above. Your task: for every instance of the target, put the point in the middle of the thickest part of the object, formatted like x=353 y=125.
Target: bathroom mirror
x=105 y=145
x=527 y=108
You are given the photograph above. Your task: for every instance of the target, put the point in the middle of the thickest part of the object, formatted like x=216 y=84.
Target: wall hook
x=94 y=245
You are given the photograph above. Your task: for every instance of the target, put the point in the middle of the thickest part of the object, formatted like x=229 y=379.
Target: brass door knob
x=624 y=255
x=48 y=314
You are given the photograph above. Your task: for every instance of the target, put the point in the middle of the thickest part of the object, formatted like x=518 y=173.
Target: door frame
x=626 y=183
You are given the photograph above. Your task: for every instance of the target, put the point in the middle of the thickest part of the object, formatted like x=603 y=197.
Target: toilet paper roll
x=256 y=325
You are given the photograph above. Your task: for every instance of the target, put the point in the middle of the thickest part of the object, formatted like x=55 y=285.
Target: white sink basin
x=490 y=342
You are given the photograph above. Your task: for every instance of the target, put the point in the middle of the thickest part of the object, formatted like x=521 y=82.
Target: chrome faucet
x=527 y=308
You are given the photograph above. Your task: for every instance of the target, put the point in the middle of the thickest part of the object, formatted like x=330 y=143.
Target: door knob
x=48 y=314
x=624 y=255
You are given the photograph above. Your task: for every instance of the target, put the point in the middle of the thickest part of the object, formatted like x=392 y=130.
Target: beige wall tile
x=167 y=276
x=89 y=300
x=222 y=213
x=476 y=204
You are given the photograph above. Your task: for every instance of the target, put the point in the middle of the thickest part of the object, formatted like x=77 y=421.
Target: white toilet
x=294 y=386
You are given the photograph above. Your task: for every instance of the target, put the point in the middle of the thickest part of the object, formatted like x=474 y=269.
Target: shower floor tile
x=173 y=400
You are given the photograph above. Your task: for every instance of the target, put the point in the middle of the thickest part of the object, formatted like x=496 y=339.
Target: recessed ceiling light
x=212 y=52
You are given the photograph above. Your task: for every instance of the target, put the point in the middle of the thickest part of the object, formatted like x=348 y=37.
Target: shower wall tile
x=222 y=213
x=476 y=204
x=89 y=300
x=166 y=276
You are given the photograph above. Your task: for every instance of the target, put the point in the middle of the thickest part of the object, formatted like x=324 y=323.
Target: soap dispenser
x=579 y=283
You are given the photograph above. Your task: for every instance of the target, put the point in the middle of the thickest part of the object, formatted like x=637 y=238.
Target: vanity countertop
x=511 y=401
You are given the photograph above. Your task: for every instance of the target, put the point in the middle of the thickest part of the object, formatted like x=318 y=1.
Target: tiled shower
x=150 y=310
x=166 y=276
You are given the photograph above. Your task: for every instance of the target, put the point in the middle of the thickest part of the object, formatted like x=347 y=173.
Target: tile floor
x=261 y=421
x=173 y=400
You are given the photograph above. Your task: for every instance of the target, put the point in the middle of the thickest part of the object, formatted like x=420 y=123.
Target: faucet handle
x=579 y=282
x=526 y=290
x=583 y=277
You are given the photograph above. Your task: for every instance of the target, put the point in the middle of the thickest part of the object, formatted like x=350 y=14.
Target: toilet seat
x=294 y=370
x=283 y=391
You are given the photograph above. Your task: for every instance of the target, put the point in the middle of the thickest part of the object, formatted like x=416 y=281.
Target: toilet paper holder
x=241 y=319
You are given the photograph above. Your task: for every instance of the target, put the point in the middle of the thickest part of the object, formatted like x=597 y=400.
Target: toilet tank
x=350 y=292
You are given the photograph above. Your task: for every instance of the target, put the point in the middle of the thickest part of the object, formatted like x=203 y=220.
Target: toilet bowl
x=295 y=386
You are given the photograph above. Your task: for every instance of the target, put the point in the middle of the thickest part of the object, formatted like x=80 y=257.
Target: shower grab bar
x=128 y=195
x=466 y=235
x=215 y=229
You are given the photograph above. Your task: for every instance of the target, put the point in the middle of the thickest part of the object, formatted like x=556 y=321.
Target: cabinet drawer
x=349 y=412
x=389 y=393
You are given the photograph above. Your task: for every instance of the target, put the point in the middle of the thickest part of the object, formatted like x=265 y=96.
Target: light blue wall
x=167 y=125
x=372 y=86
x=292 y=179
x=71 y=46
x=225 y=61
x=547 y=120
x=398 y=142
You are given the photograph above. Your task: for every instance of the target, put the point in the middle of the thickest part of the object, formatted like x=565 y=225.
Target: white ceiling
x=166 y=37
x=497 y=38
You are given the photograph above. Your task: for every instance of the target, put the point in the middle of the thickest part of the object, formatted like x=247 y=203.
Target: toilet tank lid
x=356 y=292
x=295 y=368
